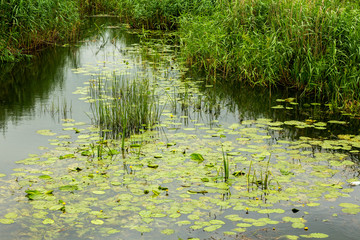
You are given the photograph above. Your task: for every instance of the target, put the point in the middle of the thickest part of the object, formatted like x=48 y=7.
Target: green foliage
x=26 y=25
x=309 y=45
x=124 y=106
x=161 y=14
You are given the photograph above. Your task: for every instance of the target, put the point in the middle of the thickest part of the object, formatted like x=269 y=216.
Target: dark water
x=39 y=94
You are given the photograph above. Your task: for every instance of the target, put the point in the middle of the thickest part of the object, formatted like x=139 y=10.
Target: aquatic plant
x=28 y=25
x=226 y=166
x=308 y=45
x=123 y=106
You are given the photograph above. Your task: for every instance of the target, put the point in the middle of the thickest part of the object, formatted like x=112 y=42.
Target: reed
x=123 y=106
x=226 y=165
x=308 y=45
x=31 y=24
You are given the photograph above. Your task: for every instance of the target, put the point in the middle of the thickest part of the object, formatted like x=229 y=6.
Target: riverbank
x=311 y=46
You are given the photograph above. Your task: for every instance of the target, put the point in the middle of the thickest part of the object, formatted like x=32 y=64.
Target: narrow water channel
x=292 y=164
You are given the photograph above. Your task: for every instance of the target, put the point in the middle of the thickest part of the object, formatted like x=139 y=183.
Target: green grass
x=123 y=107
x=28 y=25
x=308 y=45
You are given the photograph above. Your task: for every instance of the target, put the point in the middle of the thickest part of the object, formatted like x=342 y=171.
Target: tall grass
x=30 y=24
x=161 y=14
x=311 y=45
x=124 y=106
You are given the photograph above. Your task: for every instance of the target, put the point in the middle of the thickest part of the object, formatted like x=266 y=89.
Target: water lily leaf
x=2 y=175
x=175 y=215
x=114 y=183
x=45 y=132
x=11 y=215
x=313 y=204
x=158 y=215
x=181 y=223
x=193 y=217
x=148 y=220
x=98 y=192
x=197 y=157
x=349 y=205
x=48 y=221
x=233 y=217
x=315 y=235
x=97 y=222
x=240 y=230
x=45 y=177
x=212 y=228
x=168 y=231
x=244 y=225
x=36 y=194
x=298 y=225
x=67 y=156
x=276 y=210
x=69 y=188
x=113 y=231
x=351 y=210
x=214 y=221
x=153 y=165
x=292 y=237
x=6 y=221
x=278 y=107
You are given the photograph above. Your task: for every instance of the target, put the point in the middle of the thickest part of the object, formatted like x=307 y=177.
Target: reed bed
x=123 y=106
x=311 y=45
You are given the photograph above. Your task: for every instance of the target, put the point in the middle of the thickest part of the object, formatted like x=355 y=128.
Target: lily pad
x=48 y=221
x=97 y=222
x=168 y=231
x=6 y=221
x=315 y=235
x=212 y=228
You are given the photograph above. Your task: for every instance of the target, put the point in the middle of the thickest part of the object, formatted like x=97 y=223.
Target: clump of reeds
x=308 y=45
x=27 y=25
x=124 y=106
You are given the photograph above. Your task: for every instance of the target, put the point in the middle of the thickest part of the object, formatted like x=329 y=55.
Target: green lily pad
x=11 y=215
x=217 y=222
x=98 y=192
x=6 y=221
x=351 y=210
x=97 y=222
x=197 y=157
x=185 y=222
x=349 y=205
x=315 y=235
x=292 y=237
x=212 y=228
x=46 y=132
x=69 y=188
x=298 y=225
x=143 y=229
x=48 y=221
x=168 y=231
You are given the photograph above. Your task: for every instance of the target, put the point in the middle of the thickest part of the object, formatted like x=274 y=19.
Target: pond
x=200 y=159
